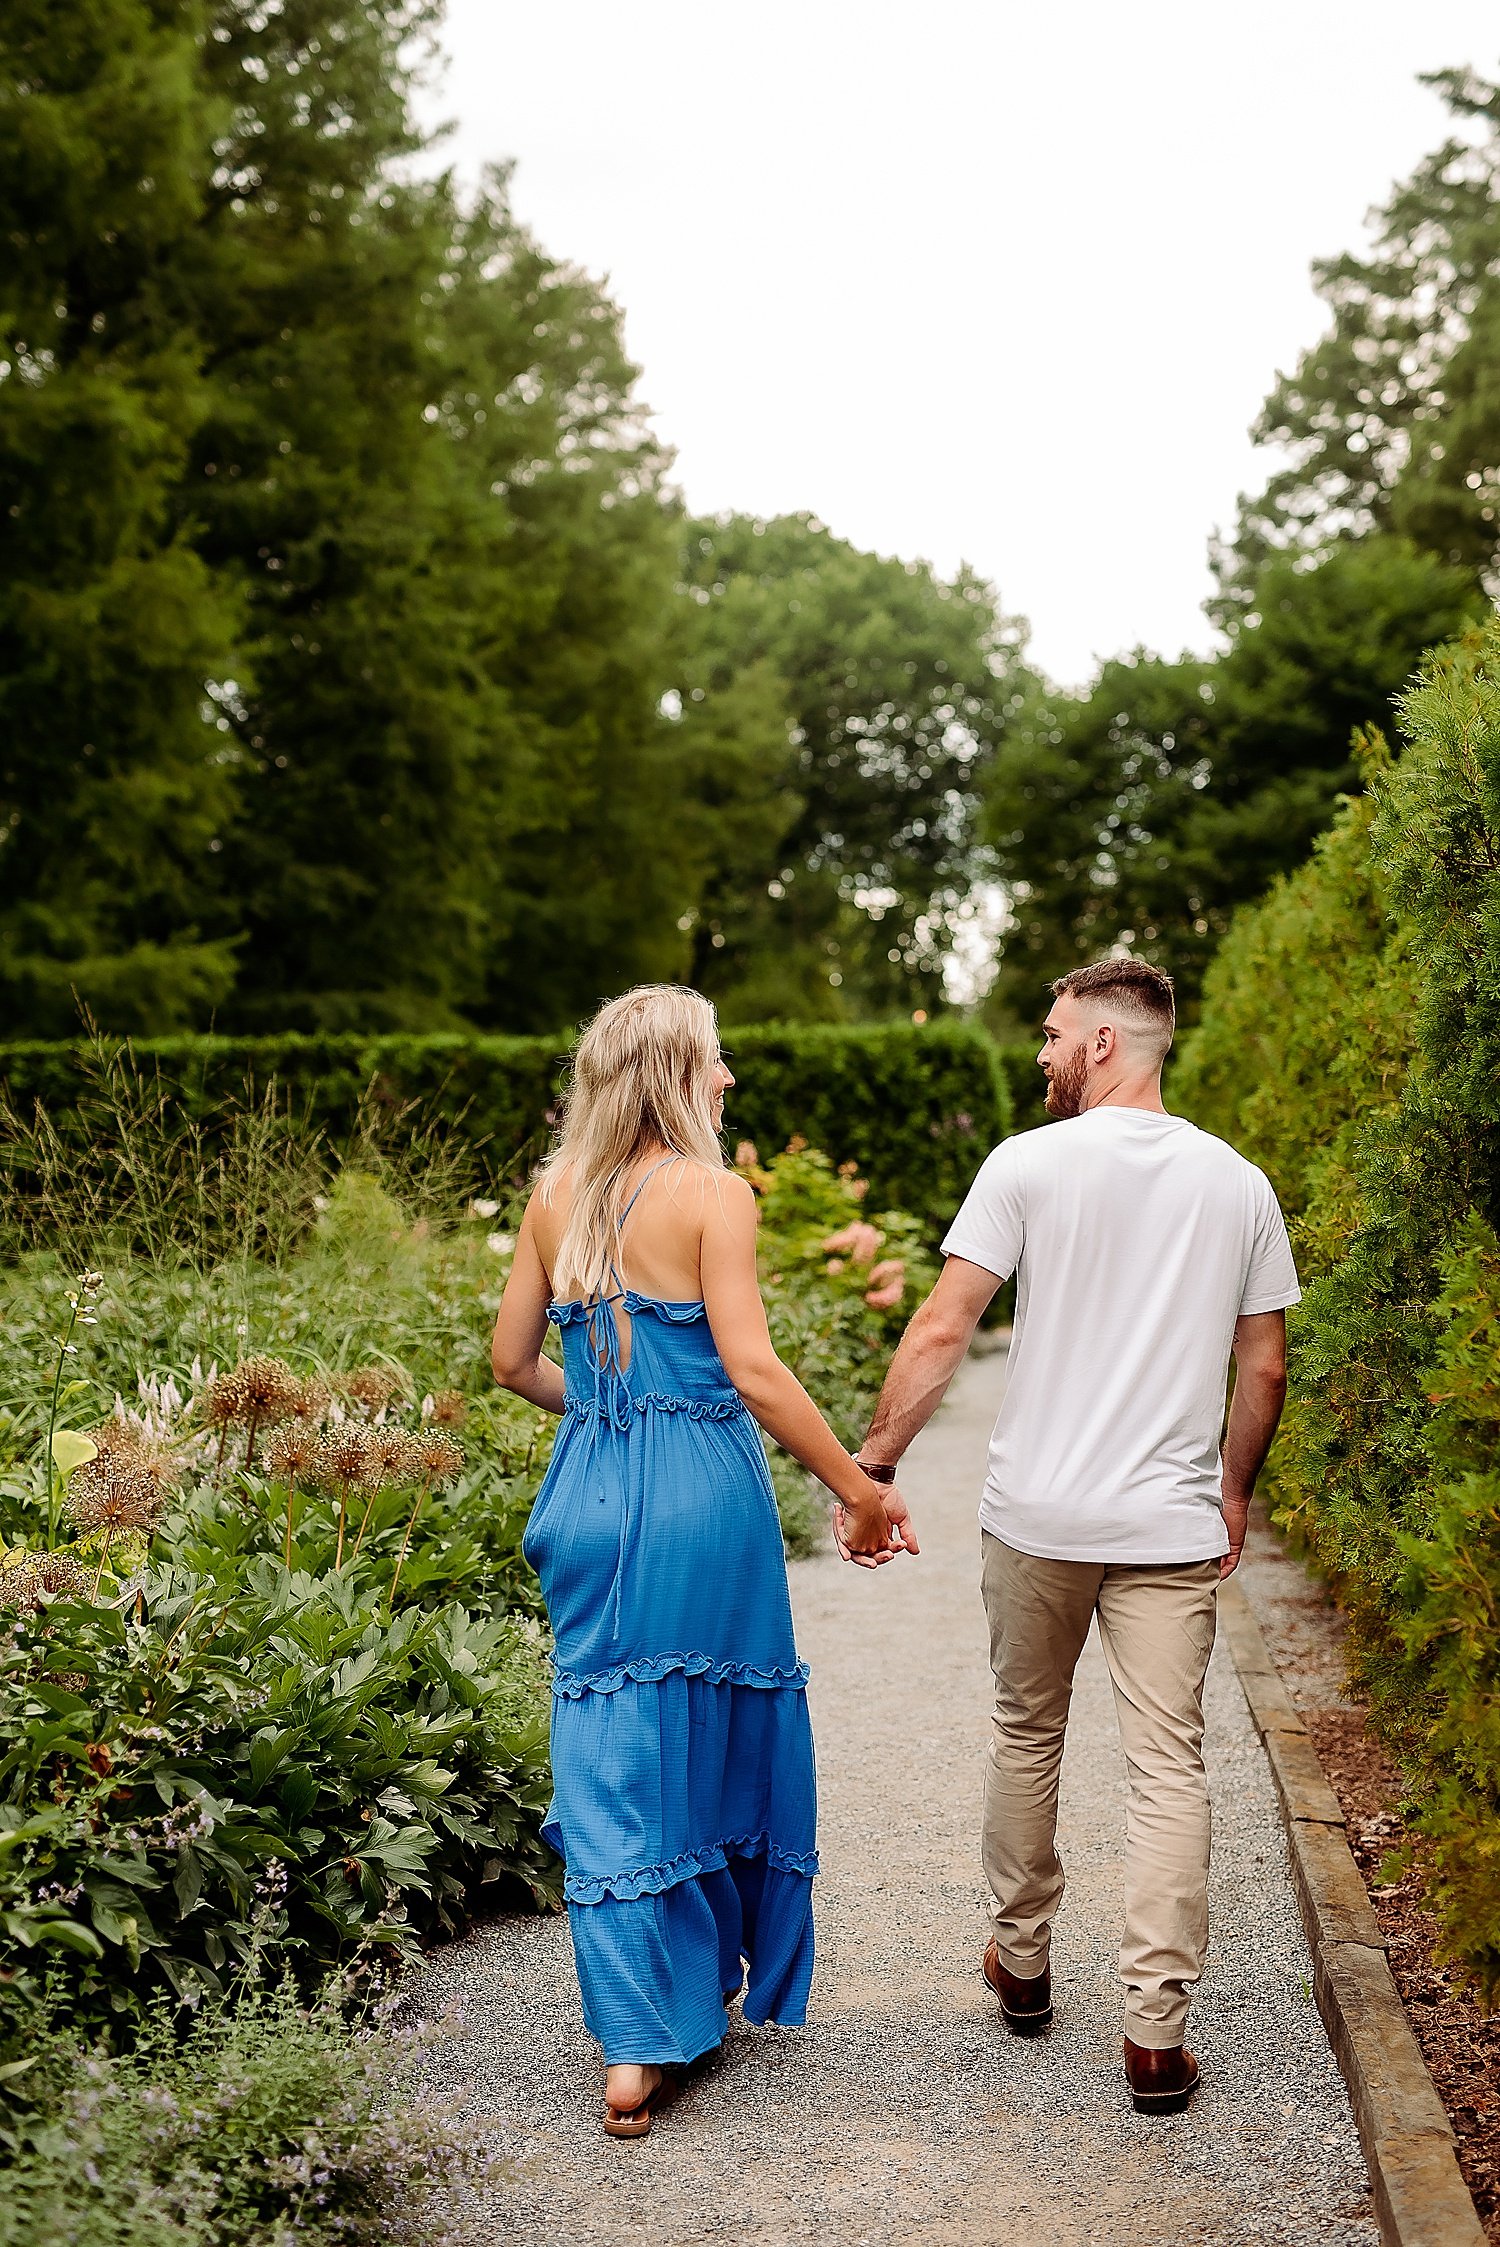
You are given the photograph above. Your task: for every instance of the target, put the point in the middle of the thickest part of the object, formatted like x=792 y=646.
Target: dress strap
x=641 y=1183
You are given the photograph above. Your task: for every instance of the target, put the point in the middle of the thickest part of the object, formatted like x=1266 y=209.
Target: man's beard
x=1065 y=1083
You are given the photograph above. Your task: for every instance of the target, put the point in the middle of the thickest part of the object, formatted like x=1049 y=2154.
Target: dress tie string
x=614 y=1407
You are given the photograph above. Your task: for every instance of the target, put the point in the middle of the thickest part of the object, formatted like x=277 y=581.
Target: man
x=1146 y=1252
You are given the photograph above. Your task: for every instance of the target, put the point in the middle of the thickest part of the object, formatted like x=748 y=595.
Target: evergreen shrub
x=1350 y=1042
x=916 y=1108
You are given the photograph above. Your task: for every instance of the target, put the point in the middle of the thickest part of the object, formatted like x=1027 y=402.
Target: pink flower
x=887 y=1284
x=858 y=1240
x=746 y=1155
x=834 y=1264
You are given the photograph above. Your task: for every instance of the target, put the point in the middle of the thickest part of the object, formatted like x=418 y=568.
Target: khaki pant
x=1157 y=1629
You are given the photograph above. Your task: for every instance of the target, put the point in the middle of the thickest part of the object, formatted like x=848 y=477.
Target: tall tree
x=1392 y=420
x=323 y=485
x=894 y=685
x=114 y=789
x=1144 y=811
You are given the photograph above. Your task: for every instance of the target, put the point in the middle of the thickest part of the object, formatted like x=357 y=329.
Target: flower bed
x=273 y=1674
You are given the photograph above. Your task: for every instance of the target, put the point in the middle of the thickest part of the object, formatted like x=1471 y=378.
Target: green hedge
x=916 y=1108
x=1025 y=1084
x=1350 y=1042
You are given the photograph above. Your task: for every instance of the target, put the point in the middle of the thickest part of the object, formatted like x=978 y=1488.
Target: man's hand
x=900 y=1536
x=1236 y=1521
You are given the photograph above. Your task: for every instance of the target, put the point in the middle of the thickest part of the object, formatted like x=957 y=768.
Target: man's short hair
x=1145 y=991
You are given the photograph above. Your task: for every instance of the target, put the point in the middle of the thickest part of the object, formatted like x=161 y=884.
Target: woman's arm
x=521 y=1328
x=737 y=1317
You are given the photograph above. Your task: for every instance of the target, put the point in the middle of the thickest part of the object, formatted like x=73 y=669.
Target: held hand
x=1236 y=1521
x=861 y=1532
x=894 y=1534
x=898 y=1516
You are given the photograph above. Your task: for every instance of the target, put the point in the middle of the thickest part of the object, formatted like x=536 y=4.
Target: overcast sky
x=970 y=280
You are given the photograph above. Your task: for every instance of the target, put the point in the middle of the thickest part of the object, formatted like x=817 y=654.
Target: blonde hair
x=642 y=1079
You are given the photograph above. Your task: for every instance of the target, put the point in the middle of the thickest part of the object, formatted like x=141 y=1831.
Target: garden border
x=1420 y=2196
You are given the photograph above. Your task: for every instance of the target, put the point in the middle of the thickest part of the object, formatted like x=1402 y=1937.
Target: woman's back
x=660 y=1236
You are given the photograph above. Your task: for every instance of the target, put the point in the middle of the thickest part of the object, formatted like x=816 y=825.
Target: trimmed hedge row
x=1350 y=1042
x=916 y=1108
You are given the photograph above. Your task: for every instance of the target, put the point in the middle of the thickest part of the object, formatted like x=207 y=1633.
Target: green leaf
x=187 y=1882
x=70 y=1450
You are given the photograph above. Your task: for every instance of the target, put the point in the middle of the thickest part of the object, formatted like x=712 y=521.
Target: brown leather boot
x=1160 y=2082
x=1025 y=2000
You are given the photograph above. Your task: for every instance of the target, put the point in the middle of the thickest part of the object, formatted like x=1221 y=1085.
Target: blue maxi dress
x=684 y=1801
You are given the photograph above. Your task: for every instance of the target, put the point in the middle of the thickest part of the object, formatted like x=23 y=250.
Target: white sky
x=986 y=282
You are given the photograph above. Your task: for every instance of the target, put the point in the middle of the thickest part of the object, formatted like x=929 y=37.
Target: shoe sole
x=1027 y=2024
x=1164 y=2102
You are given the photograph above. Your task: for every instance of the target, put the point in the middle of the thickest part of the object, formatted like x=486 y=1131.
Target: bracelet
x=875 y=1469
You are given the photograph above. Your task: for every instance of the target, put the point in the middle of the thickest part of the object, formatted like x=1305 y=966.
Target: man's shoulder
x=1209 y=1149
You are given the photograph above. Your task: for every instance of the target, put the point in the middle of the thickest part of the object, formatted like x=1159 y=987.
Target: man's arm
x=929 y=1354
x=1254 y=1415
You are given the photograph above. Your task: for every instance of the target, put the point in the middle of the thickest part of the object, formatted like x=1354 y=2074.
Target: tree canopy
x=360 y=668
x=1392 y=420
x=357 y=667
x=1142 y=811
x=889 y=688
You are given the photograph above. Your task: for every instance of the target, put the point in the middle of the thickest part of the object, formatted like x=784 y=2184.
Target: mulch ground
x=1460 y=2041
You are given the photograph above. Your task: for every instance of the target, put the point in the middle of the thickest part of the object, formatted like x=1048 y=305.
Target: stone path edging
x=1420 y=2196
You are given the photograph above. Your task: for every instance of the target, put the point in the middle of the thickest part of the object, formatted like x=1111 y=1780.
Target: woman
x=684 y=1801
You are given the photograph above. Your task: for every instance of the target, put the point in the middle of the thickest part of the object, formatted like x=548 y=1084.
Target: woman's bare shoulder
x=546 y=1213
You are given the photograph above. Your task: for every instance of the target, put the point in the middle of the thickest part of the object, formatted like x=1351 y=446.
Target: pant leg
x=1157 y=1629
x=1039 y=1613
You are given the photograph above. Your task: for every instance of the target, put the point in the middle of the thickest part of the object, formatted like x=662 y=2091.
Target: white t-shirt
x=1137 y=1241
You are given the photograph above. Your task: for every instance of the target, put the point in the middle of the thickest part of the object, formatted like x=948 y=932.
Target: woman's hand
x=871 y=1534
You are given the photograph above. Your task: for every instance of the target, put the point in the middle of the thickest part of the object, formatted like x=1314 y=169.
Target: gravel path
x=903 y=2112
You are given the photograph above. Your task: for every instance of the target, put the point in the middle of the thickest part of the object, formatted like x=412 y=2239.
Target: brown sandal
x=634 y=2122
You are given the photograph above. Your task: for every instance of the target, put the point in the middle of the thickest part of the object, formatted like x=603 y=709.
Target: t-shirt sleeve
x=1271 y=1281
x=990 y=1228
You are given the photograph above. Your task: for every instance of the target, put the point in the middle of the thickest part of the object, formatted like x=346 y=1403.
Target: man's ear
x=1104 y=1041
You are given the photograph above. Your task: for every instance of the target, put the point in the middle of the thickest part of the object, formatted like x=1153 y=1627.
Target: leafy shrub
x=839 y=1287
x=280 y=1768
x=288 y=1712
x=250 y=2122
x=1026 y=1085
x=1387 y=947
x=917 y=1108
x=1306 y=1029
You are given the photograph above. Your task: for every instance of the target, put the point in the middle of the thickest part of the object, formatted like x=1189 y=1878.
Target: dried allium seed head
x=439 y=1457
x=18 y=1585
x=371 y=1387
x=266 y=1389
x=396 y=1456
x=113 y=1495
x=118 y=1438
x=218 y=1405
x=292 y=1453
x=125 y=1443
x=310 y=1404
x=449 y=1410
x=61 y=1576
x=344 y=1458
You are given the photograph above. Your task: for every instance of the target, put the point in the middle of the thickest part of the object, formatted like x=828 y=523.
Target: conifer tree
x=114 y=789
x=1391 y=421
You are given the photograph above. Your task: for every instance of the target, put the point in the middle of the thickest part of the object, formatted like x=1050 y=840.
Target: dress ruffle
x=675 y=1314
x=696 y=1408
x=650 y=1669
x=692 y=1864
